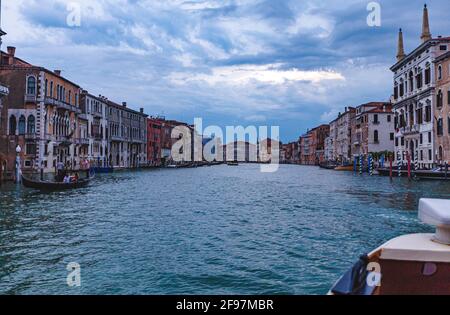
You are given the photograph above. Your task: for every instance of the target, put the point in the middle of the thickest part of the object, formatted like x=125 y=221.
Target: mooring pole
x=390 y=166
x=408 y=157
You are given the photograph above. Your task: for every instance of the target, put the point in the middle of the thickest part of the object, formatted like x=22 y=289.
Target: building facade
x=342 y=135
x=312 y=145
x=154 y=141
x=373 y=129
x=40 y=114
x=127 y=136
x=414 y=98
x=94 y=129
x=442 y=112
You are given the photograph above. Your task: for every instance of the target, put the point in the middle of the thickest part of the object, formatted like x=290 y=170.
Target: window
x=430 y=155
x=448 y=124
x=375 y=119
x=443 y=47
x=421 y=138
x=427 y=75
x=46 y=87
x=396 y=142
x=429 y=137
x=428 y=113
x=51 y=89
x=440 y=99
x=440 y=127
x=375 y=136
x=31 y=126
x=440 y=72
x=392 y=136
x=31 y=86
x=22 y=124
x=30 y=149
x=448 y=97
x=389 y=118
x=441 y=153
x=403 y=141
x=12 y=125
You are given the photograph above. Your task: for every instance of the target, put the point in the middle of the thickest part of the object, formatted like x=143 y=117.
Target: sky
x=289 y=63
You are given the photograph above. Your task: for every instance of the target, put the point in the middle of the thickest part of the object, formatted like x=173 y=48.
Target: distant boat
x=344 y=168
x=54 y=186
x=415 y=264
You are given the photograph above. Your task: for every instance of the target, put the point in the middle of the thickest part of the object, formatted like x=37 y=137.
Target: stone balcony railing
x=32 y=98
x=61 y=104
x=409 y=130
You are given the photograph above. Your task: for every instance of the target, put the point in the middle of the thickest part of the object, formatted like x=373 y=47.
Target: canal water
x=212 y=230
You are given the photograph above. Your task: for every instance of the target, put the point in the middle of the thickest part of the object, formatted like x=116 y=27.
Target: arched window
x=31 y=85
x=441 y=153
x=22 y=124
x=12 y=125
x=439 y=72
x=31 y=126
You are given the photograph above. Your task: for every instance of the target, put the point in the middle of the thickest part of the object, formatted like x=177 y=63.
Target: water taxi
x=416 y=264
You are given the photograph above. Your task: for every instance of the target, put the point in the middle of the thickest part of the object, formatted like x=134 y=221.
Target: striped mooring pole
x=370 y=166
x=355 y=164
x=416 y=161
x=399 y=166
x=361 y=162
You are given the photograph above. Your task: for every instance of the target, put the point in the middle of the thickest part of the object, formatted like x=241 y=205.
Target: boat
x=328 y=166
x=54 y=186
x=344 y=168
x=233 y=163
x=415 y=264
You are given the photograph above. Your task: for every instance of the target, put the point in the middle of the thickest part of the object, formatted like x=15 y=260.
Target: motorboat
x=415 y=264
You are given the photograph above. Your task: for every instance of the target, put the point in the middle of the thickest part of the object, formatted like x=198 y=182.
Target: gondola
x=54 y=186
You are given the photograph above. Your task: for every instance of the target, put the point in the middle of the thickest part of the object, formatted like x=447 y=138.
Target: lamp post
x=18 y=170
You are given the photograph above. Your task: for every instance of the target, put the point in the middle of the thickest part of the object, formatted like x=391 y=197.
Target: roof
x=423 y=46
x=111 y=103
x=22 y=64
x=442 y=57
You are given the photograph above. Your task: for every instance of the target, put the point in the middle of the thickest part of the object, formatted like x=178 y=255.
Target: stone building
x=373 y=129
x=442 y=112
x=338 y=147
x=40 y=114
x=127 y=136
x=414 y=97
x=94 y=129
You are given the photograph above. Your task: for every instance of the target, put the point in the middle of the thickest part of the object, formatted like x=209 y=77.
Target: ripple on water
x=217 y=230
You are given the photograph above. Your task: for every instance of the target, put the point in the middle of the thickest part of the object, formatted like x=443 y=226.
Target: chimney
x=426 y=34
x=142 y=110
x=124 y=104
x=11 y=53
x=57 y=72
x=400 y=48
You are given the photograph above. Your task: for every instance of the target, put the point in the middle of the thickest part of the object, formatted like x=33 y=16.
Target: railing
x=61 y=104
x=82 y=141
x=410 y=129
x=30 y=98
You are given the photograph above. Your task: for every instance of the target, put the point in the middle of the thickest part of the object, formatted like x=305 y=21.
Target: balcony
x=30 y=136
x=30 y=98
x=410 y=130
x=82 y=141
x=62 y=105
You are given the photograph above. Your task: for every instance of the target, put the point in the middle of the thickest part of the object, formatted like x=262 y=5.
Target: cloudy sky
x=292 y=63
